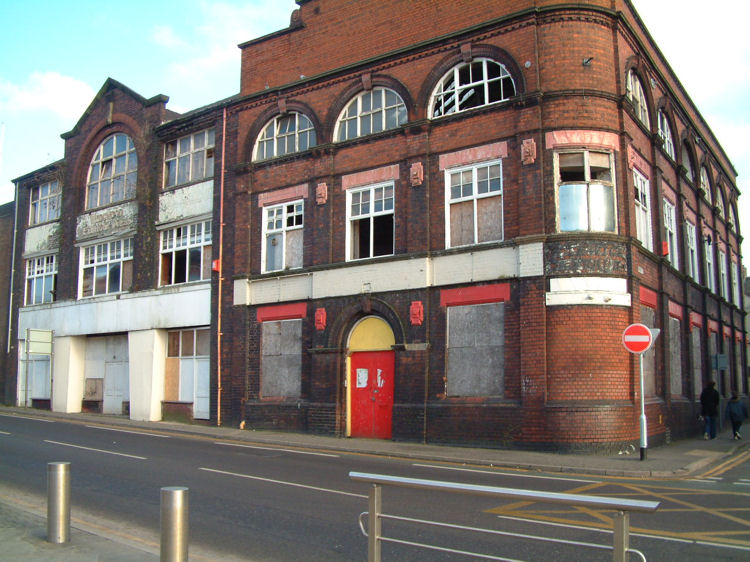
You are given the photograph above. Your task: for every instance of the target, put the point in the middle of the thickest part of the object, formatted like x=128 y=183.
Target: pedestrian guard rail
x=375 y=516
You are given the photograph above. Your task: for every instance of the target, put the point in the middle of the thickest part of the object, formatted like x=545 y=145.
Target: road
x=259 y=502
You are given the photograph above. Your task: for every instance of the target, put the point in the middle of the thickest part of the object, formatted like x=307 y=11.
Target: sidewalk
x=23 y=524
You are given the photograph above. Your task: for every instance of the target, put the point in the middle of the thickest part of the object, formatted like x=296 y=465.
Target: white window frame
x=637 y=96
x=189 y=158
x=670 y=232
x=709 y=264
x=590 y=196
x=107 y=257
x=284 y=134
x=361 y=116
x=41 y=280
x=706 y=185
x=185 y=238
x=733 y=266
x=112 y=173
x=278 y=221
x=455 y=89
x=643 y=229
x=691 y=262
x=481 y=185
x=723 y=278
x=665 y=132
x=720 y=203
x=44 y=202
x=367 y=203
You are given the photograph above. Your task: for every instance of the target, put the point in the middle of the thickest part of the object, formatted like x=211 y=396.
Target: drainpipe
x=221 y=266
x=12 y=271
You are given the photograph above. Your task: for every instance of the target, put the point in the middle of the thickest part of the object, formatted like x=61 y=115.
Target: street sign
x=637 y=338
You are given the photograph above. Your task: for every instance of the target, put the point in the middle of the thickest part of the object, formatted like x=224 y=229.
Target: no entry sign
x=637 y=338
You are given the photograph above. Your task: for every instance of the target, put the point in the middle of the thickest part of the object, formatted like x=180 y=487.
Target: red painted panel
x=282 y=312
x=371 y=384
x=499 y=292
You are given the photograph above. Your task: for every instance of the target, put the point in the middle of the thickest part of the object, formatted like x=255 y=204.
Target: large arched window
x=473 y=84
x=665 y=133
x=371 y=111
x=285 y=134
x=637 y=97
x=705 y=184
x=112 y=173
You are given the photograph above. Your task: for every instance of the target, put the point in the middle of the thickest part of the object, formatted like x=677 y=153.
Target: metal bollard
x=58 y=502
x=174 y=524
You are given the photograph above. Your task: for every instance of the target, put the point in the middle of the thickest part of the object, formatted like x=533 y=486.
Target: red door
x=371 y=384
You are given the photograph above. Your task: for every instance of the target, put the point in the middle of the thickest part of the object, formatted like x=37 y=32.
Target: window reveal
x=371 y=223
x=283 y=236
x=107 y=268
x=112 y=174
x=586 y=195
x=285 y=134
x=41 y=279
x=281 y=359
x=468 y=85
x=186 y=253
x=642 y=210
x=475 y=204
x=190 y=158
x=44 y=203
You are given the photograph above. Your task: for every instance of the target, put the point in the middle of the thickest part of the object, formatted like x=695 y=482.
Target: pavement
x=23 y=526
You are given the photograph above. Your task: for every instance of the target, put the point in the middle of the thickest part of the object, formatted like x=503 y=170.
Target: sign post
x=638 y=339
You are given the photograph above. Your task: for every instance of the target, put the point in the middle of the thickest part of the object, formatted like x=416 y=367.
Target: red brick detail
x=320 y=319
x=463 y=296
x=600 y=139
x=416 y=313
x=370 y=176
x=282 y=312
x=728 y=332
x=696 y=319
x=471 y=155
x=675 y=310
x=713 y=326
x=638 y=162
x=281 y=195
x=648 y=297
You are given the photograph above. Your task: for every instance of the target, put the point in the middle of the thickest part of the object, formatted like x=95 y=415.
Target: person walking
x=710 y=409
x=736 y=413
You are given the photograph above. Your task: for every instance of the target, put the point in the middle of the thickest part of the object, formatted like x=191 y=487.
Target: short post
x=622 y=536
x=374 y=523
x=174 y=524
x=58 y=502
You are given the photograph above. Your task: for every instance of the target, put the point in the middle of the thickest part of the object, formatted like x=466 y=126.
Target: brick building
x=441 y=216
x=427 y=221
x=112 y=286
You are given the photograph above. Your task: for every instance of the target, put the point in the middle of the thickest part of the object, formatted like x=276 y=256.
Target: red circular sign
x=637 y=338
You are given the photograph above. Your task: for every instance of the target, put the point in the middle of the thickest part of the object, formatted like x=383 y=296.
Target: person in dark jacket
x=736 y=413
x=710 y=409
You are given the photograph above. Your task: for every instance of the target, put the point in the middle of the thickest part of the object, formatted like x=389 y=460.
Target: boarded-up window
x=474 y=197
x=281 y=359
x=675 y=357
x=696 y=357
x=649 y=358
x=475 y=357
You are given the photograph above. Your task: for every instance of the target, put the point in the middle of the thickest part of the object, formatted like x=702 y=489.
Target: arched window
x=705 y=184
x=371 y=111
x=284 y=134
x=687 y=162
x=112 y=173
x=472 y=84
x=732 y=217
x=637 y=97
x=665 y=132
x=720 y=202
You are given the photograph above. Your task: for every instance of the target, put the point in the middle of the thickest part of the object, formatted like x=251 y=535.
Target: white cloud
x=165 y=36
x=64 y=96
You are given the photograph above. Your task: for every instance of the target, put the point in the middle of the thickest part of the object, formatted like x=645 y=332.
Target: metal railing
x=375 y=538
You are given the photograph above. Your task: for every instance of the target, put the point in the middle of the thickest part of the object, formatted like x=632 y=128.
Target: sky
x=55 y=56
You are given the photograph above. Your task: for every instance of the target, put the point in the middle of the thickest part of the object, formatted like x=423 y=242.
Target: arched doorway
x=370 y=370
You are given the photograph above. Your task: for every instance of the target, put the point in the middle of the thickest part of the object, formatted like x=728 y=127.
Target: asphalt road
x=258 y=502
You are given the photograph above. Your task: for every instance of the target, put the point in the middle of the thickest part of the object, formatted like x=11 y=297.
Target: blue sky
x=54 y=57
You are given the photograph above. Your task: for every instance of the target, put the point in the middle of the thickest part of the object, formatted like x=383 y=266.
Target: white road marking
x=95 y=450
x=284 y=483
x=632 y=534
x=27 y=418
x=129 y=431
x=502 y=473
x=4 y=432
x=276 y=449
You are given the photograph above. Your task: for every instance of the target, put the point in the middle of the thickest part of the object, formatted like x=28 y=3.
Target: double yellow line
x=727 y=465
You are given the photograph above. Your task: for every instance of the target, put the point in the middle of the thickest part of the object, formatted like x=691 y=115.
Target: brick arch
x=120 y=124
x=354 y=88
x=292 y=106
x=686 y=140
x=353 y=313
x=457 y=57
